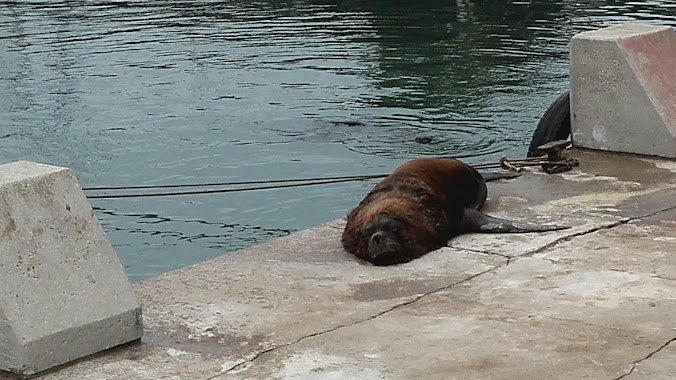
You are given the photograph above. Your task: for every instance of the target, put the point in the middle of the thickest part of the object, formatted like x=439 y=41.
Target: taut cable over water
x=504 y=163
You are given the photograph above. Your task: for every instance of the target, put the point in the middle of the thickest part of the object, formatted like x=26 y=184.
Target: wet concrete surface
x=597 y=301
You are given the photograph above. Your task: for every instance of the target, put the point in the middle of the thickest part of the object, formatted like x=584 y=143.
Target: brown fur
x=426 y=197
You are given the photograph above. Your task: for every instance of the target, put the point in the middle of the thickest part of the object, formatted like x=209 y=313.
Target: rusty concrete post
x=623 y=89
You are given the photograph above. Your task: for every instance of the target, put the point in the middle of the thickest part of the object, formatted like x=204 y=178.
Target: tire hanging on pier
x=554 y=125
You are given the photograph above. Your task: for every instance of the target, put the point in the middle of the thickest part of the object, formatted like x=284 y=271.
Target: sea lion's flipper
x=476 y=221
x=492 y=176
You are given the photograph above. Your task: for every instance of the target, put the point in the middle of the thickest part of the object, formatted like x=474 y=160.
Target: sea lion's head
x=394 y=227
x=384 y=236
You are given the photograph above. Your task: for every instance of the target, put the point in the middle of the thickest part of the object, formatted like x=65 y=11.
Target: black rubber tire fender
x=554 y=125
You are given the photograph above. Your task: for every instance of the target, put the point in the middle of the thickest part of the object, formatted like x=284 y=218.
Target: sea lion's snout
x=383 y=240
x=376 y=238
x=381 y=243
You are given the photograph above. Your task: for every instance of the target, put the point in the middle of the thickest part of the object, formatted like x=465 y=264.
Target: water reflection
x=148 y=92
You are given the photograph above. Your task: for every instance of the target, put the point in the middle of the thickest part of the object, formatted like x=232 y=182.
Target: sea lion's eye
x=392 y=226
x=368 y=231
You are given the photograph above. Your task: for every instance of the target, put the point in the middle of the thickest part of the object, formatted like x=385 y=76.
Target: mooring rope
x=275 y=183
x=216 y=191
x=236 y=183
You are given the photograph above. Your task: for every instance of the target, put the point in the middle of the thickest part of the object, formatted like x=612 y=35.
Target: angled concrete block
x=623 y=89
x=63 y=293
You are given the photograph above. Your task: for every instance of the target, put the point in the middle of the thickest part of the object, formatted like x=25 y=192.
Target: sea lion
x=419 y=207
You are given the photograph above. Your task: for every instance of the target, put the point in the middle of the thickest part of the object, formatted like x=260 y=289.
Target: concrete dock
x=597 y=301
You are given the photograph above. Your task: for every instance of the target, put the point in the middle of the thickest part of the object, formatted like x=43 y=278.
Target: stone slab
x=598 y=306
x=445 y=338
x=64 y=293
x=622 y=89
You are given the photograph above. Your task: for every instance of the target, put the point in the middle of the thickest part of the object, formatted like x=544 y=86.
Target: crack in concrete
x=570 y=320
x=548 y=245
x=572 y=236
x=479 y=251
x=670 y=208
x=639 y=273
x=572 y=262
x=627 y=372
x=415 y=299
x=592 y=230
x=634 y=365
x=660 y=277
x=564 y=238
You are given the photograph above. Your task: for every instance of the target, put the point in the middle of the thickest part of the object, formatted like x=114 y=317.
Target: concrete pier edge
x=596 y=301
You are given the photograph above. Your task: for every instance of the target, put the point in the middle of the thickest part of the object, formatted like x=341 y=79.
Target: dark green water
x=153 y=92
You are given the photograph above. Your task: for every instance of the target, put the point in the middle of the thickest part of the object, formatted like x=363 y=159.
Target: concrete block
x=623 y=89
x=64 y=293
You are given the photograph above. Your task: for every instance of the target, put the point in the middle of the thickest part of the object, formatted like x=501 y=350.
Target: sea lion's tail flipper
x=476 y=221
x=492 y=176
